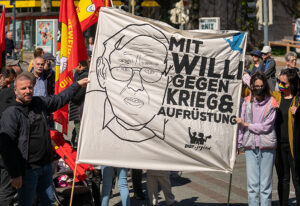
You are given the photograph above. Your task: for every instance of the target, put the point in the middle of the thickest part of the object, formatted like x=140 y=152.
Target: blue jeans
x=37 y=182
x=259 y=166
x=107 y=175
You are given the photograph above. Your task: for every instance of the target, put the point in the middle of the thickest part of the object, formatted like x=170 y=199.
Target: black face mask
x=258 y=92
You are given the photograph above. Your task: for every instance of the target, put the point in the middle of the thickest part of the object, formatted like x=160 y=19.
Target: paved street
x=207 y=188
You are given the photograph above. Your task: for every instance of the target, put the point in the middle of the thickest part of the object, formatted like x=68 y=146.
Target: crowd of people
x=267 y=127
x=27 y=103
x=266 y=133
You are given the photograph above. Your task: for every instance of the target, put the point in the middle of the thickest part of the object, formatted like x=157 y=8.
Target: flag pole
x=229 y=190
x=73 y=185
x=111 y=2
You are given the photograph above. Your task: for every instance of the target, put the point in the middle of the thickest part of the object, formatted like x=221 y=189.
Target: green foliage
x=278 y=51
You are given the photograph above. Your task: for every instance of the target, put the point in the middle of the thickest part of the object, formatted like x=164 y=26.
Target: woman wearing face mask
x=288 y=85
x=257 y=136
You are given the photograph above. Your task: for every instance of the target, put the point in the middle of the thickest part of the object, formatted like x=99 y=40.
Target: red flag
x=88 y=12
x=72 y=51
x=2 y=35
x=108 y=3
x=68 y=154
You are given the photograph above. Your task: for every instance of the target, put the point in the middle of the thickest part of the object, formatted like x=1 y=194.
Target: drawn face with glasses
x=147 y=74
x=135 y=80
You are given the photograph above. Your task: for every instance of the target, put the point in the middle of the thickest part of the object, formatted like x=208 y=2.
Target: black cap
x=256 y=53
x=48 y=56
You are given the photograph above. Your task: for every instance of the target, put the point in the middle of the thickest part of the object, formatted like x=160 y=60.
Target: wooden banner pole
x=73 y=185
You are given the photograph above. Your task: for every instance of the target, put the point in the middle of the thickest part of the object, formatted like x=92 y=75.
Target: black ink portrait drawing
x=134 y=77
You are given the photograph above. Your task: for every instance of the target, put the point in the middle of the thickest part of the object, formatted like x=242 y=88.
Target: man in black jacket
x=25 y=143
x=7 y=192
x=49 y=72
x=76 y=105
x=10 y=46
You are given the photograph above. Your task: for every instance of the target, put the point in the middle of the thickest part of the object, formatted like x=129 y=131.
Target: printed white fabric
x=161 y=98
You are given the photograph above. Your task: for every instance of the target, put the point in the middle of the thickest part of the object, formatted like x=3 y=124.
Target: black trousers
x=7 y=192
x=284 y=166
x=137 y=181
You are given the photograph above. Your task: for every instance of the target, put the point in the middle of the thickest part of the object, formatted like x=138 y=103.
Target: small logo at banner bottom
x=197 y=140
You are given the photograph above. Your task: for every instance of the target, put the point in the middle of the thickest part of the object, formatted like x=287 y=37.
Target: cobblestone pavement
x=206 y=188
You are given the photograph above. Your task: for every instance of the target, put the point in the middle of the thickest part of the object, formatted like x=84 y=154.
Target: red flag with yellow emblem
x=68 y=154
x=88 y=12
x=72 y=51
x=2 y=37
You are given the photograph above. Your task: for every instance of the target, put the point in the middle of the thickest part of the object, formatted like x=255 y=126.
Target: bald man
x=10 y=46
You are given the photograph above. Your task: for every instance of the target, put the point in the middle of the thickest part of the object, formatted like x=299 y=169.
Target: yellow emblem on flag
x=85 y=9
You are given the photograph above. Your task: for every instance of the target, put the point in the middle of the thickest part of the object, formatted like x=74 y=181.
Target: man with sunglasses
x=256 y=58
x=268 y=66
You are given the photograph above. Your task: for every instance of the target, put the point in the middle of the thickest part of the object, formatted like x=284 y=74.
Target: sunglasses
x=293 y=60
x=282 y=83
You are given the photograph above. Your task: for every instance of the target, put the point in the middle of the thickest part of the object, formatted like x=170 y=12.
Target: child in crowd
x=155 y=177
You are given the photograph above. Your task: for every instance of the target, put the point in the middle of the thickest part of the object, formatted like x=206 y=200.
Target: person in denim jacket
x=268 y=66
x=257 y=136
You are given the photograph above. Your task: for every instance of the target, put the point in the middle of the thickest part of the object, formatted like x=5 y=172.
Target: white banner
x=161 y=98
